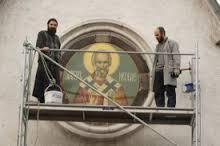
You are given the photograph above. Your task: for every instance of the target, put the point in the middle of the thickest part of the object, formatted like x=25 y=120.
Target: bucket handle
x=51 y=85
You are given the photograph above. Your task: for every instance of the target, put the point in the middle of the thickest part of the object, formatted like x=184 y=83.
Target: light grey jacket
x=170 y=61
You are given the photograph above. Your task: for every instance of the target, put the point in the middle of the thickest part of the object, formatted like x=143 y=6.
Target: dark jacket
x=45 y=39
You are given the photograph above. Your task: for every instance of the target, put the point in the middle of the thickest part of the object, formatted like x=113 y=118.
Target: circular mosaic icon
x=125 y=78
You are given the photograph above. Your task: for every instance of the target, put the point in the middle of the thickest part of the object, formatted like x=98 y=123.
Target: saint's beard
x=102 y=73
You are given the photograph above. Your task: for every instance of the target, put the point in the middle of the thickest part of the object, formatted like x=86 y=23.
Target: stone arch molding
x=122 y=32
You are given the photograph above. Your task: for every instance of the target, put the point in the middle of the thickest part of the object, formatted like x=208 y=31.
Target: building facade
x=126 y=25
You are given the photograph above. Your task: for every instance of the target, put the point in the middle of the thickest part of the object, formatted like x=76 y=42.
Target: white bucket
x=53 y=96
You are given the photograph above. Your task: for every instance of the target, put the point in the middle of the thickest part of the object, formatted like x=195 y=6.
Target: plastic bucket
x=188 y=88
x=53 y=96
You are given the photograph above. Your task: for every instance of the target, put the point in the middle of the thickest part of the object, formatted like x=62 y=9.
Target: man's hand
x=44 y=49
x=176 y=72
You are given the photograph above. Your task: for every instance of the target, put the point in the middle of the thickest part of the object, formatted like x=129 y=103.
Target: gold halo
x=87 y=58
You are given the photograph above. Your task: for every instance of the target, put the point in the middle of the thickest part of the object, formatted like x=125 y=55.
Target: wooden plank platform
x=111 y=114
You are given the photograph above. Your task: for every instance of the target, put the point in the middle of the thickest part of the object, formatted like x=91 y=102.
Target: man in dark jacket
x=47 y=40
x=166 y=69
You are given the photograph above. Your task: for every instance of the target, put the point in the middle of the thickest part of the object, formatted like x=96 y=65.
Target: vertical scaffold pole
x=21 y=108
x=196 y=127
x=22 y=128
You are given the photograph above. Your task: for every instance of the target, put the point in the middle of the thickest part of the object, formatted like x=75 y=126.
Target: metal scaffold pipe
x=120 y=52
x=197 y=100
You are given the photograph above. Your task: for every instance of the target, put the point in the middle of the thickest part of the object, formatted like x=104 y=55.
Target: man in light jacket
x=166 y=69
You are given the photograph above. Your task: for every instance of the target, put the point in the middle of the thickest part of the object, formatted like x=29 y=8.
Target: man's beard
x=51 y=30
x=161 y=39
x=101 y=72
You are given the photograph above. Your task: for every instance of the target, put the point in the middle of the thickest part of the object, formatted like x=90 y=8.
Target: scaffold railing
x=30 y=111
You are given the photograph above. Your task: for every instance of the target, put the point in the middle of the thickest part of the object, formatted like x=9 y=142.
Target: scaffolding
x=111 y=114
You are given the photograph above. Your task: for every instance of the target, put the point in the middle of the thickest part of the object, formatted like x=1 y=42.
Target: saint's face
x=102 y=63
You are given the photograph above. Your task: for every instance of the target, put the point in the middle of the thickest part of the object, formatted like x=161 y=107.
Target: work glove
x=176 y=72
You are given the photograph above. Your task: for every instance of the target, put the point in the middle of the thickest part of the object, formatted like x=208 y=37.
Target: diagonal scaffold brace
x=30 y=46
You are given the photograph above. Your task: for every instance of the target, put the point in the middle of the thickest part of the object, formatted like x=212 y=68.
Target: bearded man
x=47 y=40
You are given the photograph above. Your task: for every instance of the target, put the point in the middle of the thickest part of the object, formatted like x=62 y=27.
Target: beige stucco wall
x=186 y=21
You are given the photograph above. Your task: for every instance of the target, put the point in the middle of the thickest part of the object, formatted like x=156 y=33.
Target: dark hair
x=162 y=30
x=52 y=19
